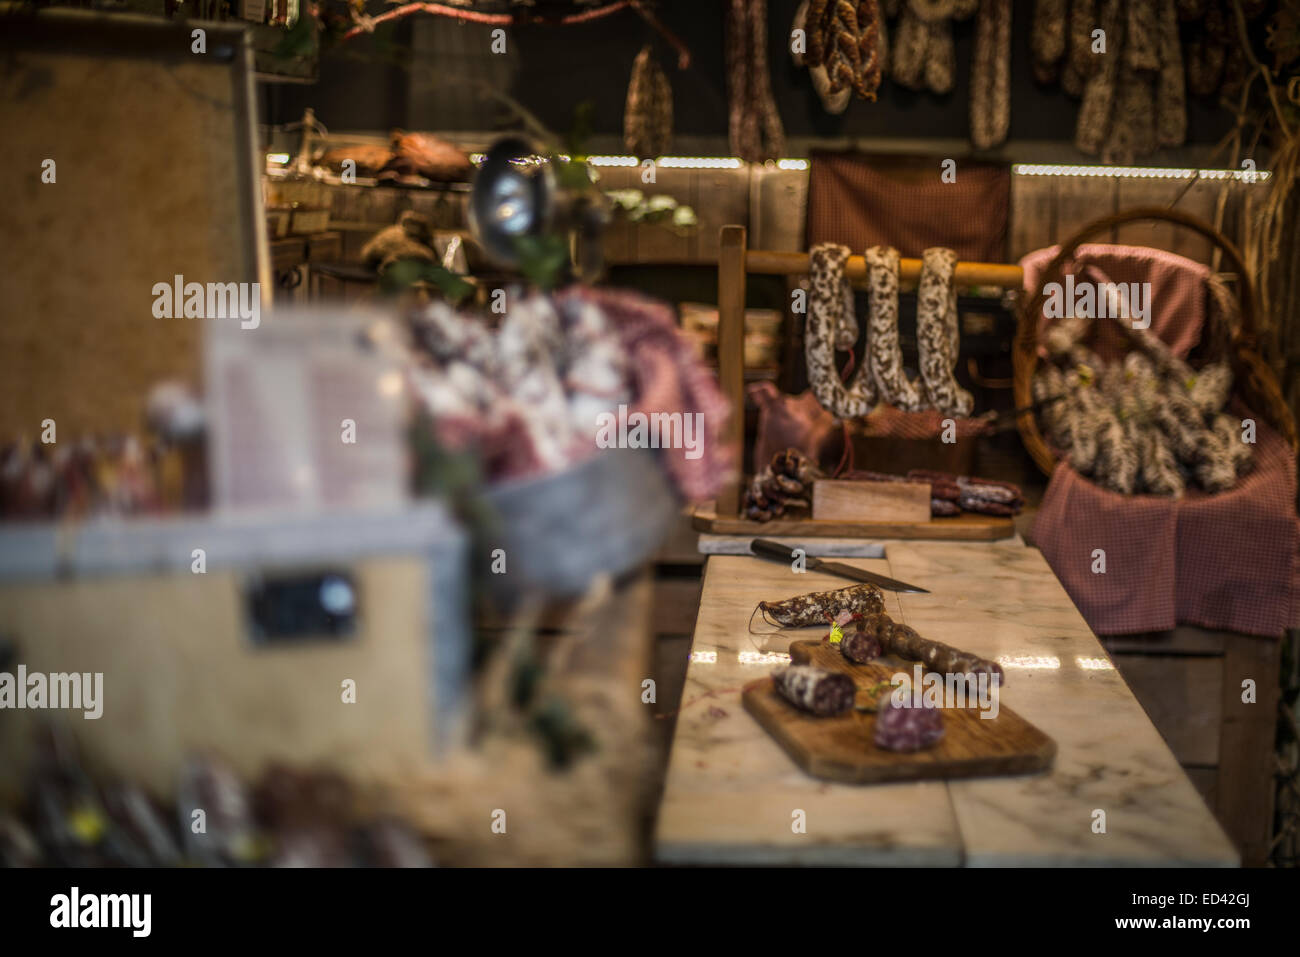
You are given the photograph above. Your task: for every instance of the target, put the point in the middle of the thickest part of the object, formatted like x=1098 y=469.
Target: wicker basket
x=1255 y=382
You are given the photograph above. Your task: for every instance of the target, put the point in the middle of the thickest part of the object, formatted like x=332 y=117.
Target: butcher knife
x=766 y=548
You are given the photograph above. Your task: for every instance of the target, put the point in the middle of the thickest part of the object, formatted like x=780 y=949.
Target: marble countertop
x=732 y=793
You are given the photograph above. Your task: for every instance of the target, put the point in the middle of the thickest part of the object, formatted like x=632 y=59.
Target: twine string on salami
x=816 y=608
x=779 y=630
x=876 y=632
x=765 y=634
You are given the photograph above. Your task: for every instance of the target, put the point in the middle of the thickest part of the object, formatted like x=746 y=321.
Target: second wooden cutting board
x=842 y=748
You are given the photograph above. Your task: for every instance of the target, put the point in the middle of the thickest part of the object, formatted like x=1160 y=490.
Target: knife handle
x=766 y=548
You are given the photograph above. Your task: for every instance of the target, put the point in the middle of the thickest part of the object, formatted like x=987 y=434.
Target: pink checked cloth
x=1227 y=562
x=1178 y=290
x=887 y=422
x=669 y=377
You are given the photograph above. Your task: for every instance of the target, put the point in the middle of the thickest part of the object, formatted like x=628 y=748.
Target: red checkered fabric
x=1227 y=562
x=1178 y=290
x=859 y=200
x=885 y=421
x=669 y=378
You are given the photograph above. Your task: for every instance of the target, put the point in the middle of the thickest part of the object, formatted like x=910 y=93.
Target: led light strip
x=1020 y=169
x=762 y=658
x=1139 y=172
x=699 y=162
x=1044 y=662
x=612 y=161
x=692 y=162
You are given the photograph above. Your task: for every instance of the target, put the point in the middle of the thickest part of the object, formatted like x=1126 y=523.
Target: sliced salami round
x=860 y=647
x=900 y=728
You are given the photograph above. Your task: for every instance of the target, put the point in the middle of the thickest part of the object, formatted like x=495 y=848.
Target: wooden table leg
x=731 y=354
x=1245 y=787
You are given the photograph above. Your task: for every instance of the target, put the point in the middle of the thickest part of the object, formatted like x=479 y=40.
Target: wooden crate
x=184 y=671
x=1190 y=681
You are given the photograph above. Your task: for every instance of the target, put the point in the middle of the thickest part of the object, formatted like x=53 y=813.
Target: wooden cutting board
x=968 y=527
x=842 y=749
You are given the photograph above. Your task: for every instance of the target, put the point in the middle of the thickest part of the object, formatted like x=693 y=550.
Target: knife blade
x=766 y=548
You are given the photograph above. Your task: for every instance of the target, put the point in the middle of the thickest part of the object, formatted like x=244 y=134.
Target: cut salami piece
x=860 y=646
x=821 y=607
x=907 y=728
x=815 y=690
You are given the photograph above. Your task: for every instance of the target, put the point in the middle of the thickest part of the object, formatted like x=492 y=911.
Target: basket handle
x=1256 y=380
x=1243 y=336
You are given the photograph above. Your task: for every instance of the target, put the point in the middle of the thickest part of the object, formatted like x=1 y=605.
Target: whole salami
x=900 y=728
x=815 y=690
x=903 y=641
x=820 y=607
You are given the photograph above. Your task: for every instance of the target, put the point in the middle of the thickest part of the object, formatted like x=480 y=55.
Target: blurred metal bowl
x=606 y=515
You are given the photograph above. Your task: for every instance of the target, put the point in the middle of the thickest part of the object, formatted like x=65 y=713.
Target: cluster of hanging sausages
x=648 y=115
x=844 y=39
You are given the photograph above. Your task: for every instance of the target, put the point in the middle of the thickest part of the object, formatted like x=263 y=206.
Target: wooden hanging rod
x=1002 y=275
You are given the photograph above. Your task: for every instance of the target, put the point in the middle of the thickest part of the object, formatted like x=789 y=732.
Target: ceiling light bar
x=699 y=162
x=612 y=161
x=1139 y=172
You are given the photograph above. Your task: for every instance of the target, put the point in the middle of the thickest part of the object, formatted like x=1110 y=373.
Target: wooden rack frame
x=735 y=262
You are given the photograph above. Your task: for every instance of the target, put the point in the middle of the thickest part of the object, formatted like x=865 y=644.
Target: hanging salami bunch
x=846 y=49
x=1048 y=37
x=938 y=334
x=832 y=102
x=990 y=94
x=648 y=115
x=884 y=351
x=754 y=125
x=1132 y=63
x=924 y=56
x=831 y=325
x=1216 y=62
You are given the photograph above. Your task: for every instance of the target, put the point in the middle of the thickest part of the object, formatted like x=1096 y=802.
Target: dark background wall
x=432 y=73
